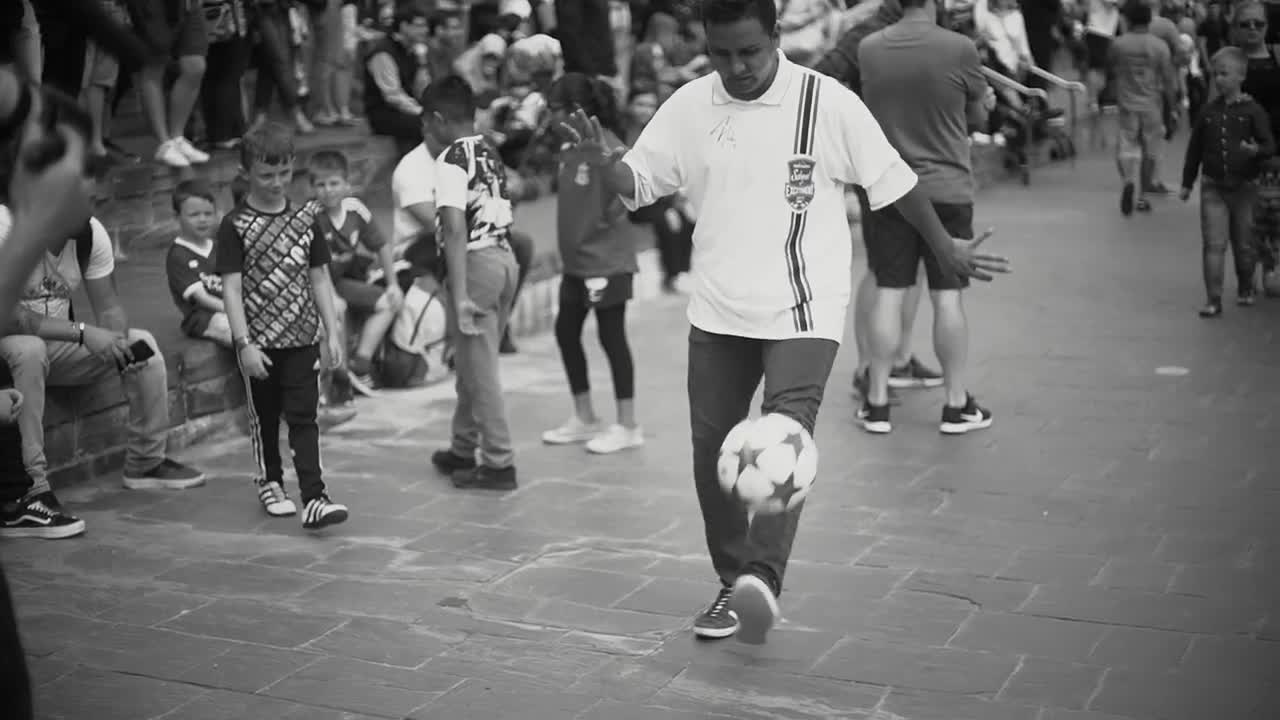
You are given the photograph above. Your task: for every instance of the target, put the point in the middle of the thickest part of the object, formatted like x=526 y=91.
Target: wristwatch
x=242 y=343
x=80 y=327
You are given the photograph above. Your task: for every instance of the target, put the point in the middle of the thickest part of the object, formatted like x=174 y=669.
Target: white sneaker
x=573 y=431
x=191 y=152
x=615 y=439
x=170 y=154
x=275 y=500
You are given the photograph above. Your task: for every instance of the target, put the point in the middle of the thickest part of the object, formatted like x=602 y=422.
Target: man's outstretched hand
x=588 y=136
x=966 y=261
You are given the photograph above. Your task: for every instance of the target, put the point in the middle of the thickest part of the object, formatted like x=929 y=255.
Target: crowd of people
x=274 y=274
x=651 y=110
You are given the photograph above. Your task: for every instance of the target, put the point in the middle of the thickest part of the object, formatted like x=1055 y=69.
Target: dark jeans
x=291 y=391
x=220 y=91
x=724 y=372
x=1226 y=218
x=273 y=58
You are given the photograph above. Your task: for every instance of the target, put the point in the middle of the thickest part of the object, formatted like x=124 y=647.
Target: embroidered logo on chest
x=799 y=188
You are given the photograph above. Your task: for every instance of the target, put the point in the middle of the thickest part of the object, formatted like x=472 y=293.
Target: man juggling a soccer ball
x=764 y=149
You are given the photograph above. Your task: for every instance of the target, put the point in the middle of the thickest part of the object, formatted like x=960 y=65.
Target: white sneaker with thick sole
x=170 y=154
x=572 y=432
x=193 y=154
x=756 y=608
x=275 y=500
x=616 y=439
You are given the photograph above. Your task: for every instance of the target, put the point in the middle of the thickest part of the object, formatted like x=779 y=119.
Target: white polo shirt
x=767 y=177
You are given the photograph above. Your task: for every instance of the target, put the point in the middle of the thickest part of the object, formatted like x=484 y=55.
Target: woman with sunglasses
x=1262 y=83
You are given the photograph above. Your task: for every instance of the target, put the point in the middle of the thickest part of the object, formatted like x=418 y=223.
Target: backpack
x=416 y=349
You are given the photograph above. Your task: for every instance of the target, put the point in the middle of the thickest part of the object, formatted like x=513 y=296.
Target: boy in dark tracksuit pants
x=274 y=264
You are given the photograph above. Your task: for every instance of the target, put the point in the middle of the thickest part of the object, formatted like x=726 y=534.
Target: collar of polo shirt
x=773 y=96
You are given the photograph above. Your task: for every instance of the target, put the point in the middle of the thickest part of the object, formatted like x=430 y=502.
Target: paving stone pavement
x=1107 y=551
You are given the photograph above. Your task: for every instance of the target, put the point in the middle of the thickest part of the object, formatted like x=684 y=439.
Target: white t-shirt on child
x=413 y=182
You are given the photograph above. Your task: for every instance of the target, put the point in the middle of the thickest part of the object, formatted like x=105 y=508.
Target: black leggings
x=612 y=323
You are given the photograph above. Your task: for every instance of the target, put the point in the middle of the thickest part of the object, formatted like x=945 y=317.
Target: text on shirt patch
x=799 y=189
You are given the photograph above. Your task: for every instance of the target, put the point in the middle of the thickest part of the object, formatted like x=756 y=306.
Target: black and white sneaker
x=960 y=420
x=39 y=517
x=875 y=418
x=275 y=500
x=322 y=512
x=717 y=621
x=914 y=374
x=756 y=606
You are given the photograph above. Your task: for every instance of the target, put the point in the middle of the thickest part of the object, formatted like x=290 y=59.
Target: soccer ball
x=768 y=463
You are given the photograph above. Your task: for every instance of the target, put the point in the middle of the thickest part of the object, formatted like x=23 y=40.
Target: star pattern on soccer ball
x=747 y=457
x=783 y=492
x=796 y=441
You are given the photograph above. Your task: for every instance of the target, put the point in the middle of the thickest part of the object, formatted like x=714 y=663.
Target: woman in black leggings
x=599 y=264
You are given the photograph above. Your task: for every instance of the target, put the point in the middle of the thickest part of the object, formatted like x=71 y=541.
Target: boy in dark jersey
x=195 y=287
x=275 y=278
x=474 y=214
x=355 y=244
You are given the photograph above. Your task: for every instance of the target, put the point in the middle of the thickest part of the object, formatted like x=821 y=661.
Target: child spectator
x=276 y=287
x=599 y=265
x=1146 y=87
x=1229 y=142
x=354 y=241
x=196 y=288
x=474 y=228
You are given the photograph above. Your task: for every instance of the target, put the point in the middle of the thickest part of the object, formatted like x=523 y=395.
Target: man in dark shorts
x=929 y=129
x=175 y=31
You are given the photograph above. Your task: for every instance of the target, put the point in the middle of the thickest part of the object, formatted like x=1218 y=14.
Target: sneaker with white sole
x=275 y=500
x=960 y=420
x=757 y=608
x=168 y=475
x=914 y=374
x=40 y=516
x=194 y=155
x=322 y=512
x=572 y=432
x=616 y=438
x=875 y=418
x=168 y=153
x=717 y=621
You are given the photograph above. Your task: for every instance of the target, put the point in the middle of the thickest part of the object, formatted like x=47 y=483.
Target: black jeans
x=290 y=391
x=273 y=57
x=220 y=91
x=724 y=372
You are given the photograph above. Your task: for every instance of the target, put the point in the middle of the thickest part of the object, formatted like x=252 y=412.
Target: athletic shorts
x=171 y=39
x=1097 y=50
x=361 y=297
x=895 y=250
x=101 y=69
x=600 y=292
